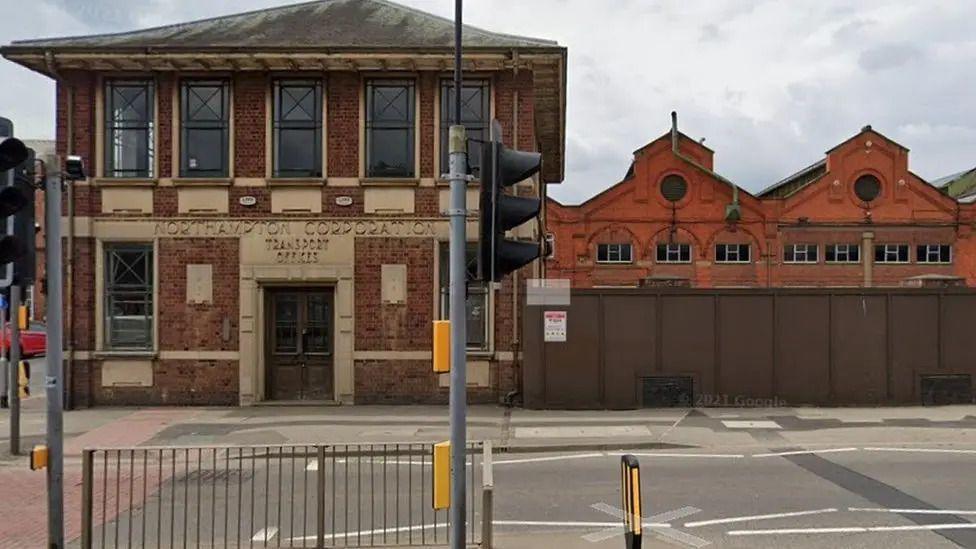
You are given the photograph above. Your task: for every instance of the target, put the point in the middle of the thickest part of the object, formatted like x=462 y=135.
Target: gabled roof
x=864 y=130
x=322 y=24
x=795 y=182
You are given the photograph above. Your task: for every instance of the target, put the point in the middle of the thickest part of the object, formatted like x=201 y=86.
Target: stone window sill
x=125 y=354
x=389 y=181
x=296 y=182
x=441 y=182
x=202 y=181
x=125 y=182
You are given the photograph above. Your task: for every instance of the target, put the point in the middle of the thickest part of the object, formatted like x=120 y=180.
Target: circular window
x=867 y=187
x=674 y=188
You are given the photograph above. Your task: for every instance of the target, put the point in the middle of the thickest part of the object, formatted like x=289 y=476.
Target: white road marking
x=548 y=458
x=746 y=424
x=758 y=517
x=911 y=511
x=265 y=534
x=801 y=452
x=930 y=450
x=574 y=524
x=313 y=465
x=855 y=529
x=676 y=454
x=379 y=531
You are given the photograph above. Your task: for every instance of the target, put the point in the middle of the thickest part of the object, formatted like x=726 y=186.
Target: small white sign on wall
x=554 y=326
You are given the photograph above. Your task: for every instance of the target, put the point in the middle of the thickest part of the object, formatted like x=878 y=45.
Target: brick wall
x=250 y=94
x=413 y=382
x=175 y=382
x=394 y=327
x=344 y=90
x=198 y=327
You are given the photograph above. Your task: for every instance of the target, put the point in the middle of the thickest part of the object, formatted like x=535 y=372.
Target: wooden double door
x=300 y=351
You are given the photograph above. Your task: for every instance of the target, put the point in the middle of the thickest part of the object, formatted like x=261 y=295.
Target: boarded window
x=129 y=296
x=129 y=125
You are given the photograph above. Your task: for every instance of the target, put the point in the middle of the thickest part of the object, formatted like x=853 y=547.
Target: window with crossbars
x=390 y=118
x=891 y=253
x=129 y=296
x=800 y=253
x=205 y=109
x=732 y=253
x=297 y=139
x=674 y=253
x=842 y=253
x=614 y=253
x=475 y=116
x=129 y=126
x=934 y=253
x=477 y=299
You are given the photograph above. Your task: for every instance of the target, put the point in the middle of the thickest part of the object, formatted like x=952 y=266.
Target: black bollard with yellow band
x=630 y=492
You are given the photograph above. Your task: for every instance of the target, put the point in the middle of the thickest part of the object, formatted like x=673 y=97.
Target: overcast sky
x=770 y=85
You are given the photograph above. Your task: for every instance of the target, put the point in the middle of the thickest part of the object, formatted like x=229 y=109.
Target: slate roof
x=795 y=182
x=318 y=25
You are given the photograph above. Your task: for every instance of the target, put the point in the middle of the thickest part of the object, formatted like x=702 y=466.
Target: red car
x=33 y=342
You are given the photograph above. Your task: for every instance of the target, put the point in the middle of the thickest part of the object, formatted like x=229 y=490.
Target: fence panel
x=338 y=495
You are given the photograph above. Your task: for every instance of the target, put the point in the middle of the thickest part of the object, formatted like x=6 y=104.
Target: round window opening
x=867 y=187
x=674 y=188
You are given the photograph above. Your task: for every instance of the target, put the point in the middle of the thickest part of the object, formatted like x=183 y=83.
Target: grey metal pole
x=458 y=310
x=14 y=370
x=53 y=385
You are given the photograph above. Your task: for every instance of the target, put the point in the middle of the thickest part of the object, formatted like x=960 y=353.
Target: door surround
x=254 y=280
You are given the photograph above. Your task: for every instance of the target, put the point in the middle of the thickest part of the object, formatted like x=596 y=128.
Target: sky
x=770 y=85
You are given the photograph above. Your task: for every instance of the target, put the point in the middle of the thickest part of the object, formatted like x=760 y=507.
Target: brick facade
x=819 y=210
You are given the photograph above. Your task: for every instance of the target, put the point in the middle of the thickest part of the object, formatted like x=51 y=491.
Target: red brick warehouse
x=858 y=217
x=264 y=219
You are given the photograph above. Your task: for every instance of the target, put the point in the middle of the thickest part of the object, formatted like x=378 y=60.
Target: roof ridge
x=792 y=176
x=281 y=8
x=172 y=25
x=464 y=25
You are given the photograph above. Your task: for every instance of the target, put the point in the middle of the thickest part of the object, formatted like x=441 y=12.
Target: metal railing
x=335 y=495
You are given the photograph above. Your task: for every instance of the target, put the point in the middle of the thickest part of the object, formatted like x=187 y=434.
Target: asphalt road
x=835 y=498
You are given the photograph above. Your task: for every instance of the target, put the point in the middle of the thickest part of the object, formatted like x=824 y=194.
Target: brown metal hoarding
x=630 y=348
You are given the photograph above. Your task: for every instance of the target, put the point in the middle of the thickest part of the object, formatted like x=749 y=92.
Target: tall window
x=390 y=117
x=674 y=253
x=891 y=253
x=934 y=253
x=297 y=128
x=801 y=253
x=842 y=253
x=476 y=303
x=204 y=148
x=129 y=123
x=129 y=296
x=475 y=116
x=614 y=253
x=732 y=253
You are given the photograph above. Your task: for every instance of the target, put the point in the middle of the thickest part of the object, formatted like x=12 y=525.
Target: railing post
x=320 y=497
x=487 y=496
x=87 y=497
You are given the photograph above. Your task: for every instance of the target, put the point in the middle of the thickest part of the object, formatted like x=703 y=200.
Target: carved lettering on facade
x=296 y=250
x=322 y=227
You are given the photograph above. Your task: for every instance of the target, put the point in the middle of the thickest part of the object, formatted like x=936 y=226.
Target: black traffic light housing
x=14 y=200
x=501 y=168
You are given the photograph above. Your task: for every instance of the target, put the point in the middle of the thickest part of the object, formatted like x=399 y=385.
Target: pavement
x=721 y=477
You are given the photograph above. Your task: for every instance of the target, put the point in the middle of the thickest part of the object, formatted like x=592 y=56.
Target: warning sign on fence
x=554 y=326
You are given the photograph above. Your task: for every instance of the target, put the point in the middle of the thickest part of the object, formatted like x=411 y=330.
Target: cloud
x=888 y=56
x=784 y=82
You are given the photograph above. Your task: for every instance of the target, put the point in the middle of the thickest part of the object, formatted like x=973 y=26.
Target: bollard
x=630 y=493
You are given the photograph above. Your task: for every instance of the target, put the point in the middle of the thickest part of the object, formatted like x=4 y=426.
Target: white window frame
x=937 y=250
x=801 y=254
x=846 y=252
x=615 y=249
x=738 y=248
x=672 y=250
x=892 y=249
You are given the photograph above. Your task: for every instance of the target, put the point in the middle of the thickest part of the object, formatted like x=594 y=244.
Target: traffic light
x=501 y=168
x=13 y=199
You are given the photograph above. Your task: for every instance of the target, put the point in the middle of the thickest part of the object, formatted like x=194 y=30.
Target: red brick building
x=263 y=217
x=858 y=217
